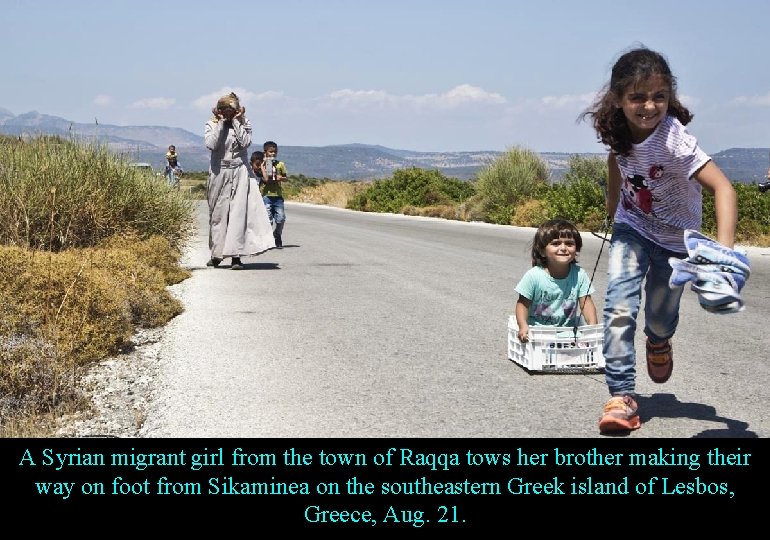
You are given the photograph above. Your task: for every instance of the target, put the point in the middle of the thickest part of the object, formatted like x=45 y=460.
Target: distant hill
x=338 y=162
x=745 y=165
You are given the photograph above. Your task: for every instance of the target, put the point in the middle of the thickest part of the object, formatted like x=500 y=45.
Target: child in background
x=173 y=169
x=171 y=156
x=555 y=291
x=256 y=165
x=656 y=172
x=273 y=174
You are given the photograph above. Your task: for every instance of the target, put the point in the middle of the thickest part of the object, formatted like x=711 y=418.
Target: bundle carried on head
x=227 y=101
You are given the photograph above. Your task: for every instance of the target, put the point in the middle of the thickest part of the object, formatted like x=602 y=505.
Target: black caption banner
x=380 y=484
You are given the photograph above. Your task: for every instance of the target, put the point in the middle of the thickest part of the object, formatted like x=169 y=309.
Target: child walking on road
x=256 y=166
x=656 y=173
x=555 y=291
x=273 y=175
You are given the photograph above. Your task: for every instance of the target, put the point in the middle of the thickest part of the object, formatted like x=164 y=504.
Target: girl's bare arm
x=711 y=177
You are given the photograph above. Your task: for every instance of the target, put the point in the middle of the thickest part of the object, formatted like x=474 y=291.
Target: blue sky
x=427 y=75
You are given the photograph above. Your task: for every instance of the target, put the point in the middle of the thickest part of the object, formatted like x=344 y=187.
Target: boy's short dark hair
x=257 y=156
x=551 y=230
x=270 y=144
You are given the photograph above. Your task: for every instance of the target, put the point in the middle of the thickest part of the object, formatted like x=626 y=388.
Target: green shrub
x=57 y=194
x=576 y=200
x=517 y=175
x=411 y=187
x=753 y=213
x=580 y=196
x=592 y=168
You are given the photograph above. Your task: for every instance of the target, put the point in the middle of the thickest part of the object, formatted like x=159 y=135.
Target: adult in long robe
x=238 y=222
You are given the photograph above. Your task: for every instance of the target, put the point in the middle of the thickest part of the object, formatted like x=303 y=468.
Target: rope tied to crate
x=605 y=229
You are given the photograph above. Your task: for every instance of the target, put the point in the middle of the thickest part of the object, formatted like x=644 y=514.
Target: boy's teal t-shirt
x=554 y=301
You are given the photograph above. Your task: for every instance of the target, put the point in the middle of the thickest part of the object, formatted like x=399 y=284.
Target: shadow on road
x=260 y=266
x=668 y=406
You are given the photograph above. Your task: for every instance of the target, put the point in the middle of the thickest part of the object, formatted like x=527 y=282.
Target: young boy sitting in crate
x=555 y=291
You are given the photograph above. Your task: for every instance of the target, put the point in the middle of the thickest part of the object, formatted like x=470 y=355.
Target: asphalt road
x=375 y=325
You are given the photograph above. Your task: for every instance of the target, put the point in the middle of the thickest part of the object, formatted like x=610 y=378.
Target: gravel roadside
x=119 y=388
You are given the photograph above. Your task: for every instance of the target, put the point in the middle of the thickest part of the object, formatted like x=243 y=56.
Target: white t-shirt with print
x=659 y=198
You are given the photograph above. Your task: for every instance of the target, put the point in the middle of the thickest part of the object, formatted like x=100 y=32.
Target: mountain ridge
x=353 y=161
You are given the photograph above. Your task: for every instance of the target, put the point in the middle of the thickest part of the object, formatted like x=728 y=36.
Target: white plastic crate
x=555 y=349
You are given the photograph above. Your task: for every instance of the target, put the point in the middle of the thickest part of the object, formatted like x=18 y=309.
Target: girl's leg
x=661 y=309
x=627 y=267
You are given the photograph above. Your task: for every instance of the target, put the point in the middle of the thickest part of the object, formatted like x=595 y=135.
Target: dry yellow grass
x=444 y=211
x=63 y=311
x=335 y=194
x=530 y=213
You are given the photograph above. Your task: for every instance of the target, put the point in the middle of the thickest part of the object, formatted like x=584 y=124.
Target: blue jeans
x=632 y=259
x=274 y=207
x=171 y=177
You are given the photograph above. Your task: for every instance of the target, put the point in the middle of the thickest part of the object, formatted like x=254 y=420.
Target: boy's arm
x=711 y=177
x=522 y=314
x=588 y=308
x=280 y=171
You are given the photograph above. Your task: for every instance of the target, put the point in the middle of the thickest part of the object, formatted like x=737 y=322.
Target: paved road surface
x=372 y=325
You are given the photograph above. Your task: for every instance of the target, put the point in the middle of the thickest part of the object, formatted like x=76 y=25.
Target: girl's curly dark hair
x=608 y=119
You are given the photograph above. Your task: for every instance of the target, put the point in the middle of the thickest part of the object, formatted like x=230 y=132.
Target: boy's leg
x=269 y=207
x=280 y=219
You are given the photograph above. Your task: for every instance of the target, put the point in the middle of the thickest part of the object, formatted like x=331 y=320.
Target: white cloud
x=458 y=96
x=568 y=101
x=102 y=100
x=359 y=97
x=206 y=102
x=753 y=101
x=153 y=103
x=465 y=93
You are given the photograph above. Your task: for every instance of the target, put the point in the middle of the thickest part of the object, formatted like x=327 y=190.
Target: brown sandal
x=660 y=361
